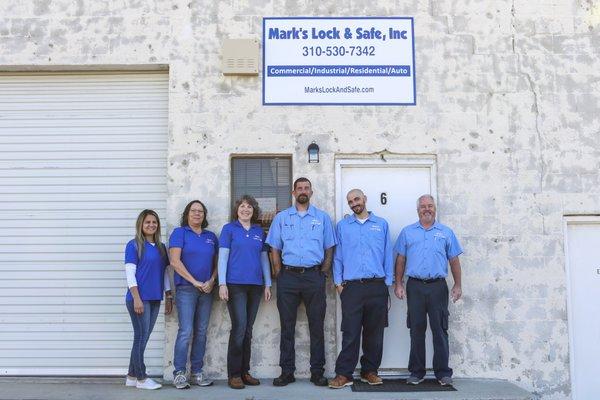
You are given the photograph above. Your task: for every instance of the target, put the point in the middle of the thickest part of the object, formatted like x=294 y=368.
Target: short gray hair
x=425 y=196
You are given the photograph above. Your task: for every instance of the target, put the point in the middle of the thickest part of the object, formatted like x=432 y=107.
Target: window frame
x=235 y=157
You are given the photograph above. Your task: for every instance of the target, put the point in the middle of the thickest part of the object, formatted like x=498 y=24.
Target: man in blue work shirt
x=302 y=240
x=424 y=250
x=362 y=272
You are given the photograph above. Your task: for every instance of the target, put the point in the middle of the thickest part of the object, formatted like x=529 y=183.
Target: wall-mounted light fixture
x=313 y=153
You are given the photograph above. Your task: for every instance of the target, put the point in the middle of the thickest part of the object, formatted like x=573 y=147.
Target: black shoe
x=284 y=380
x=318 y=379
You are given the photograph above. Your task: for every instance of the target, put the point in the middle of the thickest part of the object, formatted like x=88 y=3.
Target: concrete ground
x=110 y=388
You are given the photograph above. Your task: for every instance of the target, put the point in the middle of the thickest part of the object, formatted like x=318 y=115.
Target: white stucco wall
x=508 y=98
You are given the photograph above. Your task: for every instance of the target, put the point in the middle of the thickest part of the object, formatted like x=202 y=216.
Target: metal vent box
x=240 y=57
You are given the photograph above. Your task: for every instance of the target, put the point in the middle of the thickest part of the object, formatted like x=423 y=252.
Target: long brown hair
x=140 y=239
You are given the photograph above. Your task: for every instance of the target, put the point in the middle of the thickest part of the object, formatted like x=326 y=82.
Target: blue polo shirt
x=197 y=252
x=302 y=239
x=245 y=246
x=427 y=251
x=149 y=272
x=364 y=250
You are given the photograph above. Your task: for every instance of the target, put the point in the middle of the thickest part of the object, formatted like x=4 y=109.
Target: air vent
x=240 y=57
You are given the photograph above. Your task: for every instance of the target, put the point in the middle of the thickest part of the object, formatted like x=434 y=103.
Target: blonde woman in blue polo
x=193 y=251
x=244 y=277
x=145 y=266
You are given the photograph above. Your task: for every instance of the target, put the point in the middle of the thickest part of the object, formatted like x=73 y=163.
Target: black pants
x=428 y=299
x=309 y=287
x=364 y=307
x=243 y=305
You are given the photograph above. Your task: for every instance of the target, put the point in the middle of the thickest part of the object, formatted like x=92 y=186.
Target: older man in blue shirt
x=362 y=272
x=424 y=250
x=302 y=240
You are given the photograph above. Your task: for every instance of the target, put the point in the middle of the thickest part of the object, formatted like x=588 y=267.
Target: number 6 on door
x=383 y=198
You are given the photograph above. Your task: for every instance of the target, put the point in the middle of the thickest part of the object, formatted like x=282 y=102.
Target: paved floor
x=109 y=388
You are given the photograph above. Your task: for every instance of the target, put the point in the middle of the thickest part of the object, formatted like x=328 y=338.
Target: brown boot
x=339 y=382
x=250 y=380
x=236 y=383
x=371 y=378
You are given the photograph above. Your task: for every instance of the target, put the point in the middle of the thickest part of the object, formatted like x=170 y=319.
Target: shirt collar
x=311 y=210
x=188 y=228
x=369 y=217
x=436 y=225
x=239 y=224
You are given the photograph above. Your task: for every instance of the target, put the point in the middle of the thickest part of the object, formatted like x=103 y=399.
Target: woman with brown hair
x=193 y=252
x=244 y=277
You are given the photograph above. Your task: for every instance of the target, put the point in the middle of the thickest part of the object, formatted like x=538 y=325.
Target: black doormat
x=400 y=385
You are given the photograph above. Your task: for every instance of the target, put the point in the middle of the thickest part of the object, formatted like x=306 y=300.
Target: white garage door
x=80 y=156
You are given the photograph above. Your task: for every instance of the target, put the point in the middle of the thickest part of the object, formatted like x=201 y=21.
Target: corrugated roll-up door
x=80 y=156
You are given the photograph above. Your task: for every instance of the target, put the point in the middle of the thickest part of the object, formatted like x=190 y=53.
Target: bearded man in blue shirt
x=362 y=272
x=424 y=250
x=302 y=240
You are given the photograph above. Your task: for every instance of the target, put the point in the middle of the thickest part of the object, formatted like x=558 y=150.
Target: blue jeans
x=243 y=305
x=193 y=309
x=142 y=328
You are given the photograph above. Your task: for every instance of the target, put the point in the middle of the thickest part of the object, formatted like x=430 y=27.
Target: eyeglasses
x=196 y=211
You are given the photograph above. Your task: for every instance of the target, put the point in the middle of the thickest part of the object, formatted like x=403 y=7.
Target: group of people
x=305 y=250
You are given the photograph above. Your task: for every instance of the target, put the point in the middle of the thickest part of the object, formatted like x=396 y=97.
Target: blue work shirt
x=149 y=271
x=364 y=250
x=302 y=239
x=245 y=246
x=427 y=251
x=197 y=253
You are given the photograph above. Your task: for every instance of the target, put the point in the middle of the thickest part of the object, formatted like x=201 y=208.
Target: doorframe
x=405 y=161
x=573 y=220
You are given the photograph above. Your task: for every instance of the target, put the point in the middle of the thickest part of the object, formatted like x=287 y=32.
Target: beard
x=302 y=199
x=358 y=209
x=427 y=216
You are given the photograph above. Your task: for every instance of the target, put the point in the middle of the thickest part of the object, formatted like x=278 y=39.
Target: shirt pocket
x=315 y=231
x=440 y=245
x=287 y=232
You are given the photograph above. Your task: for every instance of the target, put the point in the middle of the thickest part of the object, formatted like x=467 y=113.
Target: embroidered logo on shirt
x=257 y=237
x=439 y=235
x=375 y=228
x=315 y=222
x=210 y=241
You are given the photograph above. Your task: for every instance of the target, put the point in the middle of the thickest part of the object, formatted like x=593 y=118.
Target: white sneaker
x=130 y=381
x=148 y=384
x=200 y=380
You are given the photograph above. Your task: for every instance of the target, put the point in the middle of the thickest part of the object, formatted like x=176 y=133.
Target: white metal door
x=392 y=189
x=80 y=156
x=583 y=261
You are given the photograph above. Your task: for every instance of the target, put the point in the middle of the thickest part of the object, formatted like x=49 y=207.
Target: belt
x=364 y=280
x=301 y=270
x=430 y=280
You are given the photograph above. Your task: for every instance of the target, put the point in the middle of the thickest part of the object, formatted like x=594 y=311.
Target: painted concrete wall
x=508 y=95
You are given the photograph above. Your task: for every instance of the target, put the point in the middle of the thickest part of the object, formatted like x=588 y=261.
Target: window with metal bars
x=267 y=179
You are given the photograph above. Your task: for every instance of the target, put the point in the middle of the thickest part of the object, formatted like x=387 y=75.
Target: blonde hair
x=140 y=239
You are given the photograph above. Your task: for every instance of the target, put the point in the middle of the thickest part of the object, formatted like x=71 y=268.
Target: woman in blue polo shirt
x=243 y=272
x=145 y=264
x=193 y=252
